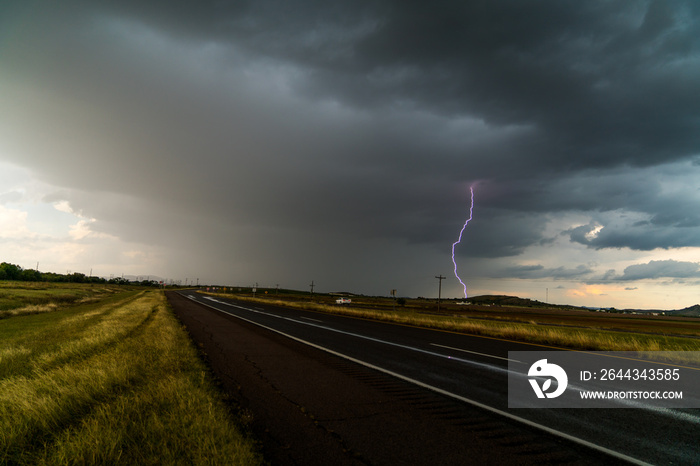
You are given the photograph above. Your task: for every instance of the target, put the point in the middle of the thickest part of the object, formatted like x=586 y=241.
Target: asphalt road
x=466 y=378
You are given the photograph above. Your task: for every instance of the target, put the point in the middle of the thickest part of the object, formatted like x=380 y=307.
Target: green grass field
x=108 y=377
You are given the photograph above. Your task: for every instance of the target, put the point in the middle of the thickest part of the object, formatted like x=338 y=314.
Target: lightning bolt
x=471 y=210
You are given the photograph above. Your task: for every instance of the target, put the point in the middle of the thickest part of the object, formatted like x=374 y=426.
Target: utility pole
x=312 y=289
x=440 y=279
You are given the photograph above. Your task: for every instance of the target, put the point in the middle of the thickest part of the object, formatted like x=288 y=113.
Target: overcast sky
x=283 y=142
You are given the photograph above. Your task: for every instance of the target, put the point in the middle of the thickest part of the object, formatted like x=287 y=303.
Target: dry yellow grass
x=30 y=309
x=111 y=382
x=532 y=332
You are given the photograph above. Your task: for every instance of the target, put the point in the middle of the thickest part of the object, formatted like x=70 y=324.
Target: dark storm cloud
x=594 y=85
x=662 y=269
x=641 y=236
x=365 y=121
x=540 y=271
x=602 y=83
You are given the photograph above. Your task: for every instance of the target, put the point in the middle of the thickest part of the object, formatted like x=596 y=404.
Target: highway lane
x=474 y=370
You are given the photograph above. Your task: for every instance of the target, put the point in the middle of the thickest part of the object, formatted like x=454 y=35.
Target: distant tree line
x=15 y=272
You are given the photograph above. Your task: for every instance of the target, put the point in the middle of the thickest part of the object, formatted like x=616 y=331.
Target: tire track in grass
x=45 y=336
x=59 y=395
x=141 y=397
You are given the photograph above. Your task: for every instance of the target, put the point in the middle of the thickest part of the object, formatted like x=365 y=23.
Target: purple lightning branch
x=471 y=210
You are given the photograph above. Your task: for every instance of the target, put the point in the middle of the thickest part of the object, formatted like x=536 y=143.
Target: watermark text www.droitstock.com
x=631 y=395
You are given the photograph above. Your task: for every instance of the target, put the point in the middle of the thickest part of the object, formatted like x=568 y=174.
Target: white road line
x=474 y=352
x=527 y=422
x=420 y=350
x=377 y=340
x=357 y=335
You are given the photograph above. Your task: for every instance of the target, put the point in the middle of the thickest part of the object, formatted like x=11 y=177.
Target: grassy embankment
x=577 y=330
x=114 y=380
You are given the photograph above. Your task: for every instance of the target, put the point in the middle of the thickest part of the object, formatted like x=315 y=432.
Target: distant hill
x=501 y=300
x=504 y=300
x=688 y=311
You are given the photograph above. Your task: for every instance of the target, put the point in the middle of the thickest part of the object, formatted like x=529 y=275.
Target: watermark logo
x=541 y=369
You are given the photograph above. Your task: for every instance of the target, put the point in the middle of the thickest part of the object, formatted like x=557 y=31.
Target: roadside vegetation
x=13 y=272
x=109 y=377
x=579 y=330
